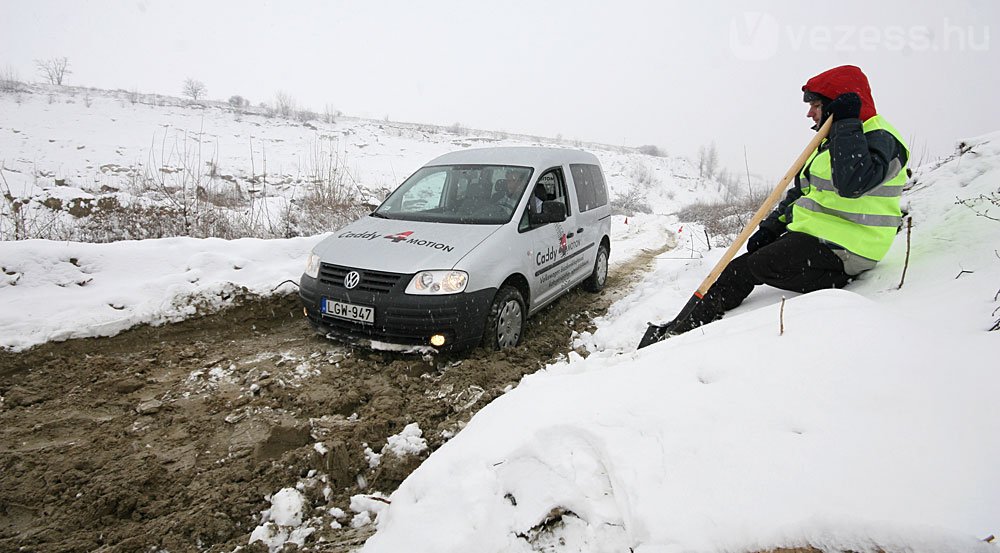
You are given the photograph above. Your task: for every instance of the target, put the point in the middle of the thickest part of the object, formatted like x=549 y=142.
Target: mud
x=169 y=438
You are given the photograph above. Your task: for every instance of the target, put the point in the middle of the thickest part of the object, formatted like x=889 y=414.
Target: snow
x=731 y=449
x=408 y=441
x=282 y=522
x=286 y=507
x=374 y=459
x=54 y=291
x=367 y=507
x=62 y=290
x=869 y=424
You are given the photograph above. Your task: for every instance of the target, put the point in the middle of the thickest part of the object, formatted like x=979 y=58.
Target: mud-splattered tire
x=505 y=323
x=599 y=277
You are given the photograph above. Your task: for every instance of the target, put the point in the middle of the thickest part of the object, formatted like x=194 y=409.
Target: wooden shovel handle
x=764 y=209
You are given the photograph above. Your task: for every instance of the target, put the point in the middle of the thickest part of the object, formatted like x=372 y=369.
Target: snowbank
x=62 y=290
x=868 y=424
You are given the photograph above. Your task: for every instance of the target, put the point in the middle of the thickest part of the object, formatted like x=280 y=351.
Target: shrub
x=725 y=219
x=305 y=115
x=10 y=81
x=239 y=102
x=651 y=150
x=631 y=202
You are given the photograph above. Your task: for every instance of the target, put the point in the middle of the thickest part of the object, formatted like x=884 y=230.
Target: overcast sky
x=674 y=74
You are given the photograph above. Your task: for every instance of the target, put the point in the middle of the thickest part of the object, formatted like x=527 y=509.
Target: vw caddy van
x=464 y=250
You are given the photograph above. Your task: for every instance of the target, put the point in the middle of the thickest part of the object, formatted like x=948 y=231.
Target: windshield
x=468 y=194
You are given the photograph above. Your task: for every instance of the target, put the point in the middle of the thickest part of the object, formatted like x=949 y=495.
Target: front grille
x=371 y=281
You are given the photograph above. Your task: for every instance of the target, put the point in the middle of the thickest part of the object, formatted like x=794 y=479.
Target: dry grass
x=722 y=220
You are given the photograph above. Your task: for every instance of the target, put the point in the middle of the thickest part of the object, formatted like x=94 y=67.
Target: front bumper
x=399 y=318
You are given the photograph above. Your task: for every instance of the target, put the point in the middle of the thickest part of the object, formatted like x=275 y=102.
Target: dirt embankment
x=169 y=438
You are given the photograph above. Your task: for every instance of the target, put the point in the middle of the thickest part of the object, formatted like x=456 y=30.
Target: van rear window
x=591 y=191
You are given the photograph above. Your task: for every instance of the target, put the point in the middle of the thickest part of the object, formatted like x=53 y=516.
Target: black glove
x=845 y=106
x=761 y=238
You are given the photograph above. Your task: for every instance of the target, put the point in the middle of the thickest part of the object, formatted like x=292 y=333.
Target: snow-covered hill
x=78 y=161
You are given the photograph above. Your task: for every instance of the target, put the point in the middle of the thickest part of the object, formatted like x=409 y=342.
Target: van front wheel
x=505 y=323
x=599 y=277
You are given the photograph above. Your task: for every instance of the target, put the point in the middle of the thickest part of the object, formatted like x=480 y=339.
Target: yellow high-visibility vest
x=865 y=226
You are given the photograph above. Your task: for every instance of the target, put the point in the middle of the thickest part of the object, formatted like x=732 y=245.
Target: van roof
x=528 y=156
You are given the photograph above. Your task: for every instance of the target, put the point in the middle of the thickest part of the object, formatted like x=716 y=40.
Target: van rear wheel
x=599 y=277
x=505 y=323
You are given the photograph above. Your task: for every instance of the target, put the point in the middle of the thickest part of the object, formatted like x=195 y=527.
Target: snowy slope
x=869 y=424
x=77 y=145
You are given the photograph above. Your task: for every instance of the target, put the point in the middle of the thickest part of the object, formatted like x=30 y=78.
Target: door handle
x=579 y=230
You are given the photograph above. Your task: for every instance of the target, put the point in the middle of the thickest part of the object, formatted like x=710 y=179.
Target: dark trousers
x=796 y=262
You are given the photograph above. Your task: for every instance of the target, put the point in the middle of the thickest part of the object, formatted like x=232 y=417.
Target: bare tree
x=54 y=70
x=284 y=104
x=194 y=89
x=331 y=114
x=708 y=161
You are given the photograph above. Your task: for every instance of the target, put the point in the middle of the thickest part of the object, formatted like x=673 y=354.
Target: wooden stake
x=781 y=318
x=906 y=263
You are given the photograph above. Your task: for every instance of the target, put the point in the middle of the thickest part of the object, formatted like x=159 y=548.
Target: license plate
x=349 y=311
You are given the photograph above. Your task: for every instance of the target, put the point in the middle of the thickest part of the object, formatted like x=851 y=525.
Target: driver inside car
x=513 y=187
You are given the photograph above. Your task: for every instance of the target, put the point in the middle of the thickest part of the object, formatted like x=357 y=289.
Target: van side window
x=550 y=187
x=553 y=186
x=591 y=191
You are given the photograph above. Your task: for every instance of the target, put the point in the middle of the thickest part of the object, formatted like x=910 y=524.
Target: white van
x=464 y=250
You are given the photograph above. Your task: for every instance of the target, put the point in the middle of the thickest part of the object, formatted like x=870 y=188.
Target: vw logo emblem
x=352 y=279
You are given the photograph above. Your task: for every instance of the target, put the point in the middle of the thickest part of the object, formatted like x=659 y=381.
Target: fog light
x=437 y=340
x=305 y=312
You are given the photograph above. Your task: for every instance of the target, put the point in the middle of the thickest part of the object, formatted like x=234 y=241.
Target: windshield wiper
x=380 y=215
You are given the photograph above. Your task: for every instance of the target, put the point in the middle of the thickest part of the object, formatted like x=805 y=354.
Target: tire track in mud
x=170 y=437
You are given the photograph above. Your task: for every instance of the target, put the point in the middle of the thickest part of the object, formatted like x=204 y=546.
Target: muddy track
x=170 y=437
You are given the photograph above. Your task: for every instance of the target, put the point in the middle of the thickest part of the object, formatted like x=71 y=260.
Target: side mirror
x=552 y=212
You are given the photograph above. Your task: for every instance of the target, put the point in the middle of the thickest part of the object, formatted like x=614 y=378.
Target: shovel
x=655 y=332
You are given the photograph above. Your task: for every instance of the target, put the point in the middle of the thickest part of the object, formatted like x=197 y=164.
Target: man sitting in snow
x=840 y=217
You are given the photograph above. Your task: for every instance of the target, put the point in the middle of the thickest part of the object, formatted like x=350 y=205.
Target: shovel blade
x=654 y=334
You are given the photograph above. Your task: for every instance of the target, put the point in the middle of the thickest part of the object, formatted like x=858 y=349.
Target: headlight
x=312 y=265
x=438 y=282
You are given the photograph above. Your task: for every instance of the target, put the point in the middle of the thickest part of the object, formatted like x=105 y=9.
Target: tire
x=599 y=277
x=505 y=322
